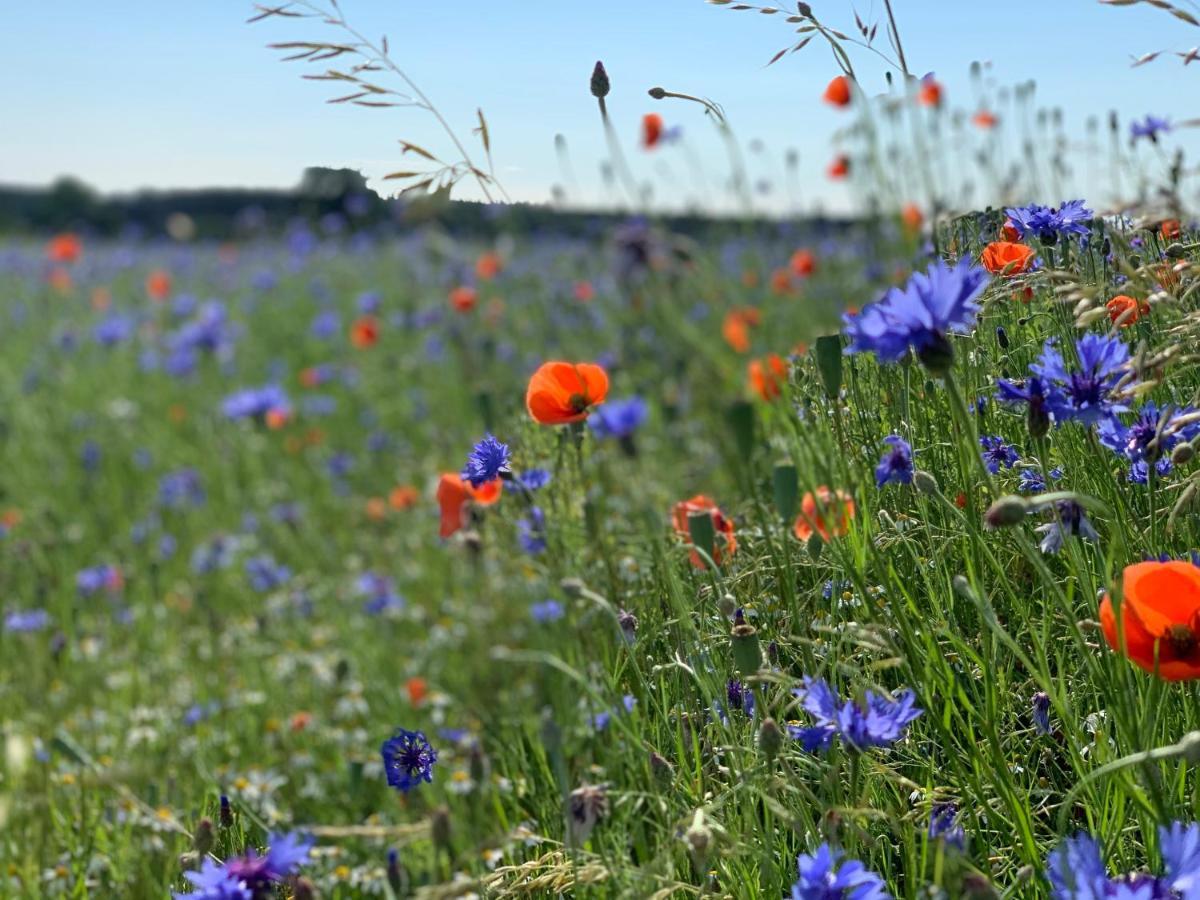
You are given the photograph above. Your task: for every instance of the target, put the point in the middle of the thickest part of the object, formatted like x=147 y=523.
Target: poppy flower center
x=1181 y=641
x=578 y=402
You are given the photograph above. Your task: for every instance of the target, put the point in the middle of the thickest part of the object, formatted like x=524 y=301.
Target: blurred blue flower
x=877 y=722
x=28 y=620
x=896 y=465
x=944 y=826
x=618 y=419
x=824 y=875
x=997 y=454
x=1150 y=128
x=547 y=611
x=1076 y=871
x=265 y=574
x=1069 y=520
x=1041 y=712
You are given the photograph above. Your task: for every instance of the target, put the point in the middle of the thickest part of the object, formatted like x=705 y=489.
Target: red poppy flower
x=912 y=217
x=417 y=688
x=803 y=263
x=768 y=376
x=736 y=327
x=930 y=93
x=1009 y=231
x=1160 y=617
x=488 y=266
x=463 y=298
x=64 y=248
x=1007 y=258
x=584 y=292
x=984 y=119
x=824 y=512
x=364 y=332
x=453 y=495
x=404 y=496
x=652 y=130
x=839 y=168
x=837 y=92
x=1170 y=229
x=158 y=285
x=1125 y=309
x=724 y=546
x=563 y=392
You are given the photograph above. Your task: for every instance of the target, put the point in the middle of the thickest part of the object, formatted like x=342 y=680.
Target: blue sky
x=126 y=94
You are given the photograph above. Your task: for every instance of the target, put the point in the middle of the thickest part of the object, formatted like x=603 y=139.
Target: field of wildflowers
x=828 y=560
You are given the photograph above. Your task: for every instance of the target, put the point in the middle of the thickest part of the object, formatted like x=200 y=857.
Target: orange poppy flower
x=1009 y=231
x=1124 y=308
x=839 y=168
x=1170 y=229
x=815 y=509
x=1167 y=277
x=837 y=92
x=736 y=327
x=276 y=418
x=453 y=494
x=463 y=298
x=158 y=285
x=1160 y=617
x=725 y=544
x=488 y=266
x=376 y=509
x=768 y=376
x=803 y=263
x=64 y=248
x=364 y=332
x=404 y=496
x=101 y=299
x=652 y=130
x=417 y=688
x=912 y=217
x=310 y=377
x=930 y=93
x=1007 y=258
x=984 y=119
x=563 y=392
x=60 y=279
x=584 y=292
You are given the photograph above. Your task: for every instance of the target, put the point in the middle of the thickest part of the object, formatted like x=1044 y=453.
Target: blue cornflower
x=740 y=696
x=487 y=462
x=97 y=578
x=180 y=488
x=251 y=876
x=1032 y=394
x=896 y=465
x=1041 y=712
x=1150 y=127
x=997 y=454
x=944 y=826
x=877 y=722
x=214 y=882
x=1076 y=871
x=325 y=325
x=113 y=329
x=1086 y=395
x=1069 y=519
x=265 y=574
x=255 y=403
x=534 y=479
x=1147 y=440
x=824 y=876
x=408 y=759
x=27 y=620
x=547 y=611
x=531 y=531
x=1032 y=481
x=600 y=720
x=618 y=419
x=379 y=592
x=921 y=315
x=1049 y=224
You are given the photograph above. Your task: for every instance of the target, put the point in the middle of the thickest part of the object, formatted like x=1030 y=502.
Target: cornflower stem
x=967 y=426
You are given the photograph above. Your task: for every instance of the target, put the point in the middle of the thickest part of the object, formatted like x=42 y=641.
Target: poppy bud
x=204 y=838
x=814 y=546
x=1001 y=337
x=925 y=482
x=977 y=887
x=1037 y=421
x=551 y=735
x=747 y=654
x=302 y=889
x=804 y=9
x=600 y=85
x=189 y=860
x=572 y=587
x=770 y=739
x=226 y=816
x=1176 y=251
x=396 y=876
x=439 y=829
x=661 y=769
x=657 y=93
x=1006 y=512
x=1182 y=454
x=727 y=605
x=1189 y=747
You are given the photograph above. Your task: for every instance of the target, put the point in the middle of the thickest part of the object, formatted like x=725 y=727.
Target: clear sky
x=134 y=93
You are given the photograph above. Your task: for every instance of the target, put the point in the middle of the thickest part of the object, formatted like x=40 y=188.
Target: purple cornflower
x=944 y=826
x=1049 y=224
x=997 y=454
x=547 y=611
x=408 y=759
x=896 y=465
x=921 y=315
x=265 y=574
x=113 y=329
x=740 y=696
x=180 y=488
x=1041 y=712
x=534 y=479
x=618 y=419
x=379 y=593
x=876 y=722
x=1088 y=394
x=487 y=462
x=1076 y=871
x=1069 y=519
x=1032 y=394
x=1150 y=128
x=824 y=875
x=600 y=720
x=325 y=325
x=91 y=581
x=28 y=620
x=1147 y=440
x=250 y=877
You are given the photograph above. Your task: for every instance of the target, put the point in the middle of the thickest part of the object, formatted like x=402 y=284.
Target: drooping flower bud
x=925 y=482
x=770 y=739
x=661 y=769
x=204 y=838
x=1006 y=512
